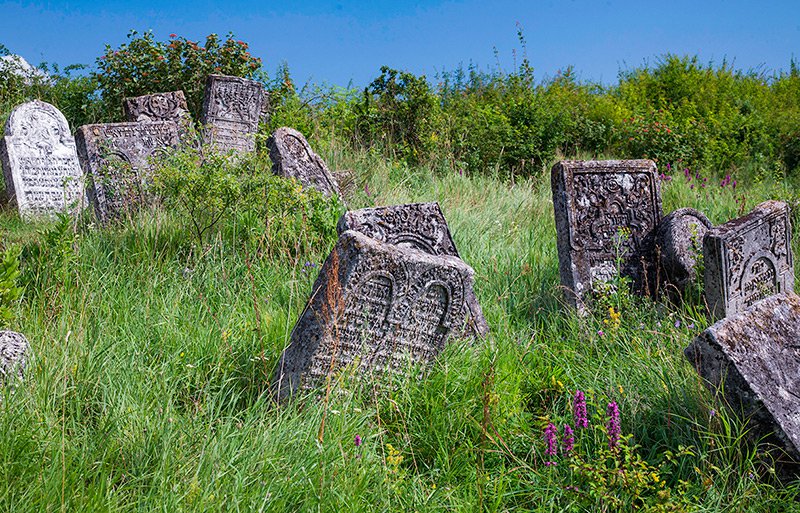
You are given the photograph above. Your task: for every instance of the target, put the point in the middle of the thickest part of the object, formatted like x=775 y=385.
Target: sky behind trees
x=346 y=42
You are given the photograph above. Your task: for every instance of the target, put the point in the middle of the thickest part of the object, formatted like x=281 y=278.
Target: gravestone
x=753 y=360
x=231 y=109
x=420 y=226
x=169 y=106
x=748 y=259
x=116 y=157
x=40 y=164
x=378 y=307
x=680 y=243
x=292 y=157
x=605 y=211
x=14 y=349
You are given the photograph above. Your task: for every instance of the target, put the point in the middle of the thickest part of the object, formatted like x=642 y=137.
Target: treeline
x=679 y=111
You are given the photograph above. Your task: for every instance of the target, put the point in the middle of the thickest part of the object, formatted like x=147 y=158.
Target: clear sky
x=339 y=42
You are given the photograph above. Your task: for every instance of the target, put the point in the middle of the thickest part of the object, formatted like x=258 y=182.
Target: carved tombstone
x=169 y=106
x=292 y=157
x=605 y=211
x=231 y=109
x=116 y=157
x=40 y=164
x=680 y=243
x=753 y=358
x=14 y=349
x=418 y=225
x=377 y=308
x=748 y=259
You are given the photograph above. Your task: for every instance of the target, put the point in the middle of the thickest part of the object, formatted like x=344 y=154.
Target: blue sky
x=339 y=42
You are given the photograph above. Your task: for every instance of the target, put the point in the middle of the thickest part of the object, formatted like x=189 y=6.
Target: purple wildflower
x=366 y=189
x=579 y=410
x=600 y=333
x=569 y=439
x=678 y=323
x=357 y=441
x=550 y=438
x=613 y=426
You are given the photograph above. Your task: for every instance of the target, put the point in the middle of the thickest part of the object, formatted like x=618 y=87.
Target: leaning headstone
x=418 y=225
x=231 y=110
x=40 y=164
x=378 y=307
x=169 y=106
x=753 y=360
x=14 y=349
x=680 y=244
x=292 y=157
x=116 y=157
x=606 y=212
x=748 y=259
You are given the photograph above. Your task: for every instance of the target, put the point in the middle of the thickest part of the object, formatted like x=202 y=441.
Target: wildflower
x=550 y=433
x=678 y=323
x=600 y=333
x=357 y=441
x=569 y=439
x=579 y=410
x=713 y=413
x=691 y=326
x=366 y=189
x=613 y=427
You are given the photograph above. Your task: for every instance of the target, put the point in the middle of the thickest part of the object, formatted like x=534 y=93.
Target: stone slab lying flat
x=116 y=157
x=231 y=110
x=292 y=157
x=420 y=226
x=605 y=210
x=753 y=358
x=378 y=307
x=40 y=164
x=680 y=242
x=748 y=259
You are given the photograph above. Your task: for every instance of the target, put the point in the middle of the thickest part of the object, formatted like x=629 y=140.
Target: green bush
x=10 y=292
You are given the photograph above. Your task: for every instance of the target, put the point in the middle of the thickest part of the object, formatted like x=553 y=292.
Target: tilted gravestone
x=748 y=259
x=116 y=157
x=753 y=360
x=606 y=211
x=292 y=157
x=169 y=106
x=40 y=164
x=680 y=245
x=378 y=307
x=420 y=226
x=231 y=110
x=14 y=349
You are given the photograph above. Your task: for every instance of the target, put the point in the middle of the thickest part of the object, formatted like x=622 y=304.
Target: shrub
x=10 y=292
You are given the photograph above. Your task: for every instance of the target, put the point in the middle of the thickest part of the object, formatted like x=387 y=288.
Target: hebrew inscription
x=748 y=259
x=117 y=158
x=606 y=212
x=292 y=157
x=40 y=163
x=420 y=226
x=376 y=307
x=169 y=106
x=231 y=111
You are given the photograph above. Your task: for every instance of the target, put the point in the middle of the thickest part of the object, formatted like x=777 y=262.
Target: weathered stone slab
x=420 y=226
x=680 y=243
x=605 y=210
x=378 y=307
x=169 y=106
x=14 y=349
x=231 y=110
x=116 y=157
x=748 y=259
x=753 y=360
x=40 y=163
x=292 y=157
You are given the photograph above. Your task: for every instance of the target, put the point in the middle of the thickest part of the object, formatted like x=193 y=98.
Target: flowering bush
x=144 y=66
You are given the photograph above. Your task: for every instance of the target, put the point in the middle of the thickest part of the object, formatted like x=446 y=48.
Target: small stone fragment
x=680 y=241
x=420 y=226
x=292 y=157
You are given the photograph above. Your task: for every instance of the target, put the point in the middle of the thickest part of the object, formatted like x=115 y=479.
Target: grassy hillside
x=153 y=353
